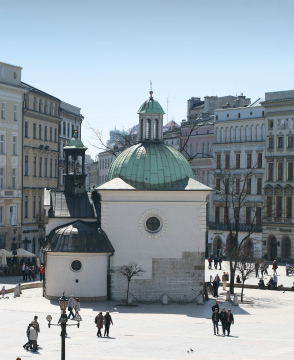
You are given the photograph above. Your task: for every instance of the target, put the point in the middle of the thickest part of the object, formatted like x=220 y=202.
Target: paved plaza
x=262 y=330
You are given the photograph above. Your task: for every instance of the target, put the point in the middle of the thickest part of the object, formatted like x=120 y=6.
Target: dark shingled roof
x=78 y=236
x=64 y=205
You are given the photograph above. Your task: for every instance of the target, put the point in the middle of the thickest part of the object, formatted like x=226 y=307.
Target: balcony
x=10 y=193
x=242 y=227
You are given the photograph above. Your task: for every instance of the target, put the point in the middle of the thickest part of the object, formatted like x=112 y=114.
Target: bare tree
x=233 y=194
x=130 y=270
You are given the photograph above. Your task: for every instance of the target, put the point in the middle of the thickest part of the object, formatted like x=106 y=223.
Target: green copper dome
x=74 y=143
x=151 y=106
x=151 y=166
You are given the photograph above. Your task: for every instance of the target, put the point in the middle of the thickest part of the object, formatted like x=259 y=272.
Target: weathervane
x=151 y=92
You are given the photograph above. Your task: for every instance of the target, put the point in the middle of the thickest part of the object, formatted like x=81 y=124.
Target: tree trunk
x=128 y=292
x=232 y=279
x=242 y=291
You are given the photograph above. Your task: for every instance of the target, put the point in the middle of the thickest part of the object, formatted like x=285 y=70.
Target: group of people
x=105 y=320
x=32 y=334
x=273 y=281
x=30 y=272
x=226 y=319
x=73 y=304
x=216 y=260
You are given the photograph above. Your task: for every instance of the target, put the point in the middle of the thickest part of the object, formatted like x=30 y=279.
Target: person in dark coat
x=223 y=319
x=215 y=319
x=215 y=262
x=216 y=306
x=99 y=323
x=256 y=268
x=220 y=260
x=107 y=322
x=230 y=321
x=215 y=285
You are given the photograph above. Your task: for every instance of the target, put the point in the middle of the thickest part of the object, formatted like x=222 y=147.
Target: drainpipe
x=109 y=278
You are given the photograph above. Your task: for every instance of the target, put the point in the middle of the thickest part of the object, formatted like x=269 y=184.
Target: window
x=51 y=134
x=216 y=117
x=249 y=161
x=236 y=213
x=40 y=204
x=2 y=178
x=227 y=186
x=34 y=206
x=271 y=142
x=2 y=144
x=51 y=168
x=26 y=169
x=216 y=214
x=14 y=178
x=15 y=112
x=290 y=171
x=280 y=171
x=270 y=171
x=40 y=105
x=45 y=169
x=237 y=161
x=55 y=168
x=239 y=115
x=1 y=224
x=288 y=207
x=45 y=133
x=217 y=184
x=14 y=145
x=3 y=111
x=40 y=167
x=45 y=107
x=226 y=215
x=153 y=224
x=64 y=128
x=259 y=160
x=280 y=142
x=156 y=129
x=34 y=131
x=26 y=214
x=248 y=215
x=270 y=124
x=148 y=129
x=218 y=161
x=259 y=186
x=279 y=206
x=35 y=166
x=51 y=109
x=76 y=265
x=258 y=216
x=56 y=110
x=238 y=181
x=227 y=161
x=55 y=135
x=248 y=186
x=68 y=127
x=26 y=134
x=35 y=104
x=290 y=142
x=269 y=206
x=40 y=131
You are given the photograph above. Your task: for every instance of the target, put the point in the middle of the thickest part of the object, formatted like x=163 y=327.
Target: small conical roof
x=75 y=143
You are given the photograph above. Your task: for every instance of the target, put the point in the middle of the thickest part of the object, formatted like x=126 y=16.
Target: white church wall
x=92 y=278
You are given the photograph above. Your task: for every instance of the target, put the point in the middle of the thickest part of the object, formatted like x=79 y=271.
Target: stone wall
x=181 y=279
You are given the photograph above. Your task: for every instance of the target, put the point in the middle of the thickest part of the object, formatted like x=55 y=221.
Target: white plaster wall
x=92 y=277
x=183 y=212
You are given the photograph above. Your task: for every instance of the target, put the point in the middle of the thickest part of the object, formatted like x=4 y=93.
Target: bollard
x=17 y=290
x=235 y=302
x=228 y=296
x=200 y=300
x=164 y=300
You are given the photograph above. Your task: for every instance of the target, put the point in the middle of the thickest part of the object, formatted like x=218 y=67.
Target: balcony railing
x=279 y=220
x=242 y=227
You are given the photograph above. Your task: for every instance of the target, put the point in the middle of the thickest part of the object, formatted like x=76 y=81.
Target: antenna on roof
x=151 y=92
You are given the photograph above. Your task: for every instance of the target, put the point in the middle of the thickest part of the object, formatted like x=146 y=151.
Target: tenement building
x=11 y=98
x=238 y=168
x=278 y=225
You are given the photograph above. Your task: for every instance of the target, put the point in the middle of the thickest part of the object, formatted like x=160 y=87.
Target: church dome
x=74 y=143
x=151 y=106
x=151 y=165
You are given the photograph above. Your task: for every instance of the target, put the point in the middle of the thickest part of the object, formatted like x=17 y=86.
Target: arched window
x=237 y=134
x=242 y=133
x=227 y=135
x=141 y=129
x=156 y=129
x=263 y=132
x=247 y=133
x=252 y=133
x=232 y=134
x=148 y=135
x=217 y=135
x=257 y=132
x=222 y=135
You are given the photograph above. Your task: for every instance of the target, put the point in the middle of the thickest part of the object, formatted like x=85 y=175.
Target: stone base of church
x=98 y=298
x=180 y=279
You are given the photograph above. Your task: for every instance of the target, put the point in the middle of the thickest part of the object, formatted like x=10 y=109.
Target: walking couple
x=105 y=320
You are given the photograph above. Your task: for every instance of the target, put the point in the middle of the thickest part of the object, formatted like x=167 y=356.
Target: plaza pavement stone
x=262 y=329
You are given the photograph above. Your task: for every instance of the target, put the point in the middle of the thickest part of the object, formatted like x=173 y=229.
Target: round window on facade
x=76 y=265
x=153 y=224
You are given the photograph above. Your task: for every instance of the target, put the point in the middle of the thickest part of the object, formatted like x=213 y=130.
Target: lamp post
x=63 y=322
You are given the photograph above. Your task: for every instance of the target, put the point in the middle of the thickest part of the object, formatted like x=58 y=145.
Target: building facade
x=238 y=149
x=278 y=226
x=11 y=99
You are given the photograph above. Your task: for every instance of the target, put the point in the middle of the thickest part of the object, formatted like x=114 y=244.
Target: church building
x=150 y=211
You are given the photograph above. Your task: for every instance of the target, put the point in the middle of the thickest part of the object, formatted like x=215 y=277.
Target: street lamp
x=63 y=301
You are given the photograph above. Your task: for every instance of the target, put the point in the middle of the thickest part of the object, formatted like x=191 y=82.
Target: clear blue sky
x=100 y=55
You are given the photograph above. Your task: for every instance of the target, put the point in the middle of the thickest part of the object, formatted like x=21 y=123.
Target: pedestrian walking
x=224 y=280
x=256 y=269
x=265 y=263
x=275 y=281
x=223 y=319
x=77 y=307
x=23 y=270
x=33 y=336
x=215 y=319
x=3 y=292
x=275 y=266
x=215 y=306
x=71 y=305
x=215 y=285
x=209 y=262
x=99 y=323
x=107 y=322
x=287 y=268
x=34 y=273
x=41 y=272
x=220 y=260
x=230 y=321
x=35 y=321
x=215 y=262
x=27 y=273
